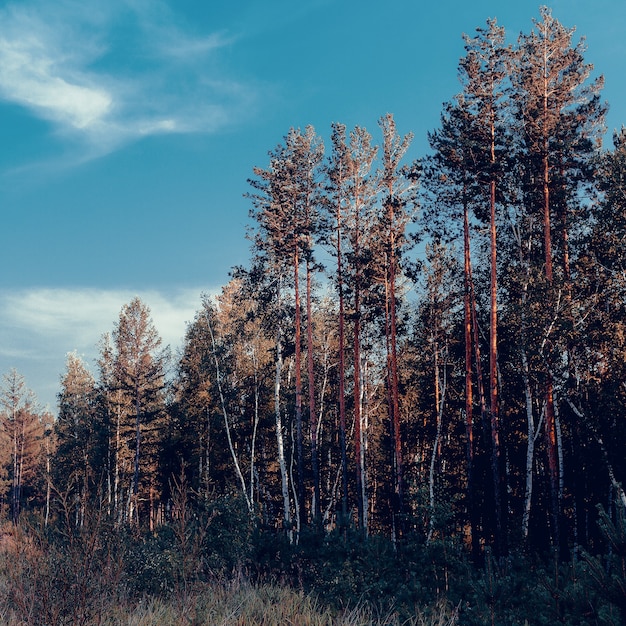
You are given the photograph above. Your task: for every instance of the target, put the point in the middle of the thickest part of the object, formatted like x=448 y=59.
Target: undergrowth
x=215 y=567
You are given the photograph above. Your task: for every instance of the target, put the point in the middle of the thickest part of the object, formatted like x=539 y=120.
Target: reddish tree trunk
x=493 y=372
x=342 y=374
x=393 y=368
x=469 y=392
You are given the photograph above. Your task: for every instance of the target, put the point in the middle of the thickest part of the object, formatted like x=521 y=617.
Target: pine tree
x=484 y=71
x=398 y=188
x=338 y=175
x=559 y=115
x=467 y=173
x=450 y=188
x=285 y=207
x=359 y=274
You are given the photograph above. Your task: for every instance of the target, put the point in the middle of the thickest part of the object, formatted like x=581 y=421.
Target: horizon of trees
x=432 y=347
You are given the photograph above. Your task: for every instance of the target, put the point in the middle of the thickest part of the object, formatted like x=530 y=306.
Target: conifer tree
x=337 y=172
x=79 y=454
x=285 y=208
x=22 y=434
x=398 y=188
x=140 y=376
x=558 y=114
x=484 y=71
x=449 y=191
x=359 y=273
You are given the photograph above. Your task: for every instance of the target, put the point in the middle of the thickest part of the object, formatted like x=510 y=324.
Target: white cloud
x=178 y=45
x=67 y=62
x=28 y=76
x=38 y=327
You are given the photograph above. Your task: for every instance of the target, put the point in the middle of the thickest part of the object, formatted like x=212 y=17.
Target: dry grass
x=237 y=604
x=84 y=586
x=242 y=604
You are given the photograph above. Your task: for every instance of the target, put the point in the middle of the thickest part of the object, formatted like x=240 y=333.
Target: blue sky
x=128 y=129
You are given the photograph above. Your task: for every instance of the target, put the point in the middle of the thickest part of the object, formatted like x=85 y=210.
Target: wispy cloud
x=38 y=327
x=78 y=317
x=28 y=77
x=107 y=73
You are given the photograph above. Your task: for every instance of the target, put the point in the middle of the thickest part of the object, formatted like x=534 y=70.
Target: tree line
x=431 y=347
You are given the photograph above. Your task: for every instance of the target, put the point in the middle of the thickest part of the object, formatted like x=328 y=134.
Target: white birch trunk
x=362 y=441
x=284 y=479
x=440 y=394
x=226 y=422
x=532 y=433
x=256 y=423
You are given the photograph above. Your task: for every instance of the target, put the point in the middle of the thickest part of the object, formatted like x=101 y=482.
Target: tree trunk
x=135 y=487
x=493 y=372
x=469 y=393
x=550 y=426
x=364 y=412
x=393 y=371
x=550 y=429
x=357 y=399
x=284 y=479
x=532 y=432
x=207 y=448
x=300 y=504
x=480 y=386
x=231 y=447
x=315 y=508
x=116 y=480
x=255 y=424
x=342 y=388
x=440 y=394
x=15 y=498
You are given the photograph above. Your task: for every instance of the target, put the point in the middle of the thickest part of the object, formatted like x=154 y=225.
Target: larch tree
x=264 y=285
x=449 y=192
x=140 y=373
x=308 y=154
x=192 y=425
x=203 y=429
x=110 y=405
x=351 y=195
x=22 y=433
x=227 y=428
x=80 y=449
x=439 y=304
x=249 y=352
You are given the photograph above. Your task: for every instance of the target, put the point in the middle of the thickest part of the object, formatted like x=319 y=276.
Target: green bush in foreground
x=213 y=566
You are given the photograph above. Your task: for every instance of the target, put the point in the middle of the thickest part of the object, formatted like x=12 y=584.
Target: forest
x=409 y=403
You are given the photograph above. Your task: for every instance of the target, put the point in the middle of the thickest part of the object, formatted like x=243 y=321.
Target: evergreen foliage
x=415 y=415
